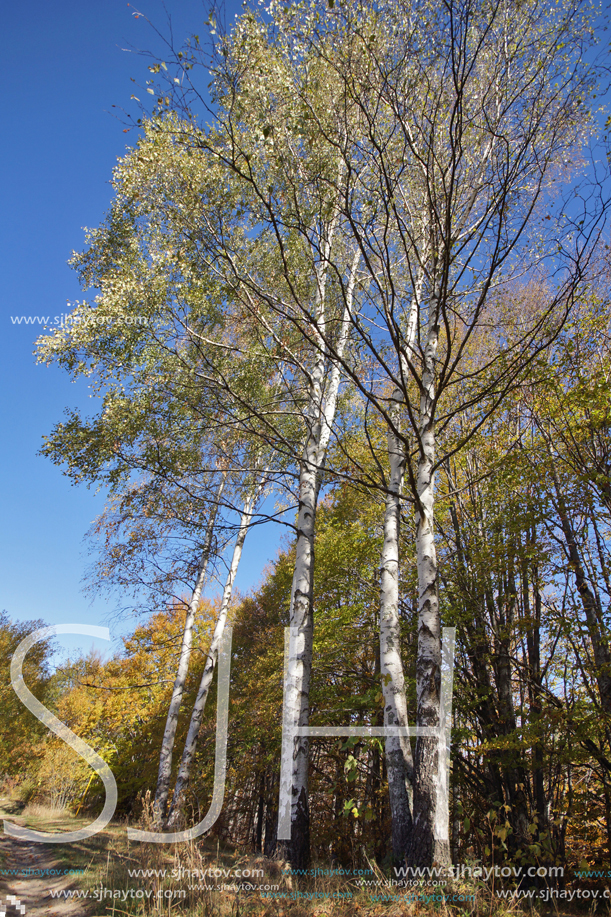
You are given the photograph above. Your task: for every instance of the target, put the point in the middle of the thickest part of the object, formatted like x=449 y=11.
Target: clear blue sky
x=64 y=69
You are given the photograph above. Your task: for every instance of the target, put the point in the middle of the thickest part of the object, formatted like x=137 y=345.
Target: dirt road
x=27 y=874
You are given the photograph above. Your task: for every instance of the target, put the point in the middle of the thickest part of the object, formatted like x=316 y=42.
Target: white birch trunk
x=167 y=746
x=335 y=375
x=399 y=765
x=184 y=771
x=398 y=751
x=297 y=691
x=297 y=709
x=429 y=842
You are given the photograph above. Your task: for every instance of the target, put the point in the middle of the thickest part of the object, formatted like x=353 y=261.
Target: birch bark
x=300 y=650
x=167 y=746
x=398 y=751
x=184 y=771
x=319 y=418
x=429 y=843
x=399 y=764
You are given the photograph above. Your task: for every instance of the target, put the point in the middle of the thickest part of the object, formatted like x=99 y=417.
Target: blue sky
x=64 y=69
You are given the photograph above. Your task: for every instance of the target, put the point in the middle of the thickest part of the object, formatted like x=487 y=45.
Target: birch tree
x=160 y=248
x=309 y=302
x=430 y=140
x=470 y=114
x=165 y=757
x=158 y=421
x=184 y=771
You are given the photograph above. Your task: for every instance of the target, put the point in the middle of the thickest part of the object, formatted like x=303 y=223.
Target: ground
x=145 y=877
x=33 y=889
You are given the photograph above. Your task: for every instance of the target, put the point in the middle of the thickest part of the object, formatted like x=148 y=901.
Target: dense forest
x=354 y=283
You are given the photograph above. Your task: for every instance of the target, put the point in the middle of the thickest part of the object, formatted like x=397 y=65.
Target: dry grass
x=108 y=858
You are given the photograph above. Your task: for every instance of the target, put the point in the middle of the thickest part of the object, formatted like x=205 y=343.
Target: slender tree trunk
x=328 y=414
x=320 y=418
x=258 y=832
x=167 y=746
x=514 y=775
x=184 y=771
x=297 y=689
x=429 y=842
x=398 y=751
x=399 y=764
x=271 y=815
x=533 y=643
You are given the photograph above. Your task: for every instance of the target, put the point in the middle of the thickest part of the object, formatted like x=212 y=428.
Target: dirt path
x=26 y=874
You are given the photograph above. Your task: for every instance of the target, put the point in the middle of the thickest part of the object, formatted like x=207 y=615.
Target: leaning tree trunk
x=429 y=842
x=399 y=764
x=167 y=746
x=184 y=771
